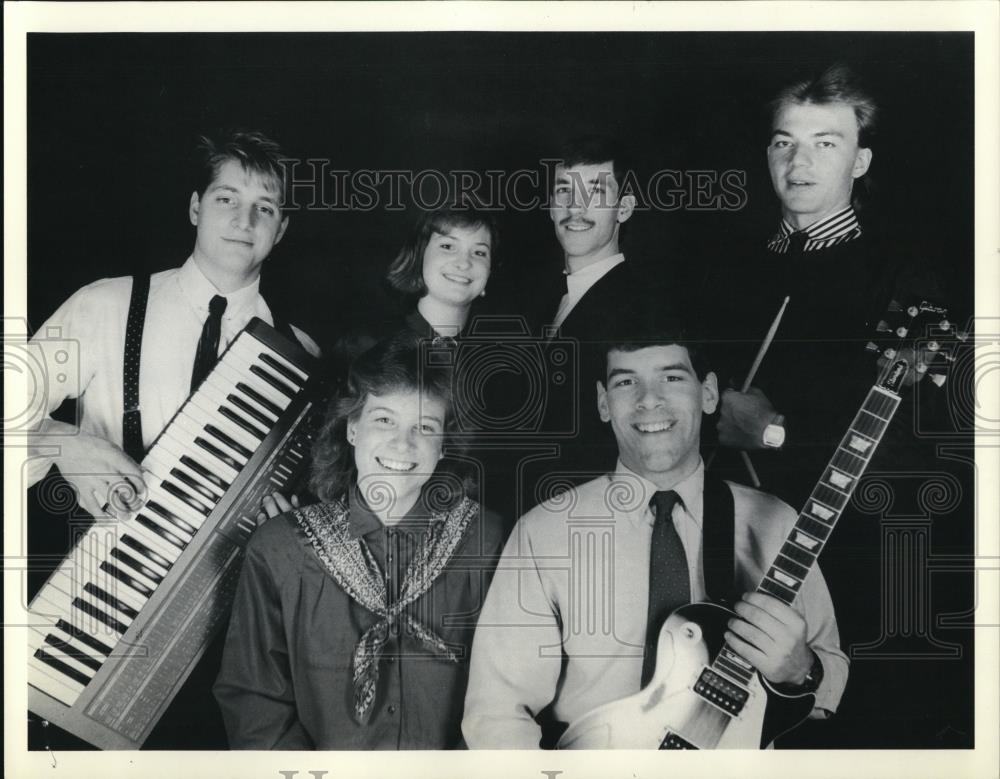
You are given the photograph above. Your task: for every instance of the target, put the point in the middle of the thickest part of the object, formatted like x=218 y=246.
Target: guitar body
x=669 y=714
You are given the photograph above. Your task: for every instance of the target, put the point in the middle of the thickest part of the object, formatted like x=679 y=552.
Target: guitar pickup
x=719 y=691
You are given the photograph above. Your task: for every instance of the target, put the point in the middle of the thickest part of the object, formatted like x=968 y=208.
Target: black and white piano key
x=218 y=447
x=203 y=409
x=166 y=500
x=53 y=682
x=260 y=353
x=243 y=442
x=131 y=562
x=261 y=368
x=246 y=412
x=65 y=665
x=255 y=383
x=115 y=606
x=266 y=421
x=60 y=635
x=170 y=498
x=129 y=598
x=262 y=397
x=159 y=529
x=219 y=453
x=179 y=471
x=79 y=610
x=62 y=645
x=150 y=548
x=209 y=398
x=283 y=369
x=223 y=474
x=126 y=579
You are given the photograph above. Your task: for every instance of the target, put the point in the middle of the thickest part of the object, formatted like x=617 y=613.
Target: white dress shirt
x=91 y=323
x=579 y=282
x=564 y=621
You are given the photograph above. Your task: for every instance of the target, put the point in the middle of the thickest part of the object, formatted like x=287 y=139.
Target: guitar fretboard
x=816 y=521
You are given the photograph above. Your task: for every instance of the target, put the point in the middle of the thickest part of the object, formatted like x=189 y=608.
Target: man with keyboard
x=145 y=344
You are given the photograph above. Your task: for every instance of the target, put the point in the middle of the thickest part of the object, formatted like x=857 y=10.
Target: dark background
x=111 y=119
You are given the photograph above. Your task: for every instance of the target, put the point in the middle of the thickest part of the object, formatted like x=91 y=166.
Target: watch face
x=774 y=435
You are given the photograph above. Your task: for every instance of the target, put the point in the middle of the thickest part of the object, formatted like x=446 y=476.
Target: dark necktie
x=797 y=242
x=669 y=586
x=208 y=345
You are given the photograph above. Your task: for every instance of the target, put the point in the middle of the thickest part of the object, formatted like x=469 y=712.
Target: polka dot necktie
x=208 y=345
x=797 y=242
x=669 y=585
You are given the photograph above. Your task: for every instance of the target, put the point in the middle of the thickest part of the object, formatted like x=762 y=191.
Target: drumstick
x=750 y=376
x=751 y=470
x=765 y=345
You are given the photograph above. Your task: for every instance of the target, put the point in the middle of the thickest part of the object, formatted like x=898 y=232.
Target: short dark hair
x=394 y=364
x=406 y=273
x=644 y=332
x=253 y=150
x=593 y=150
x=837 y=84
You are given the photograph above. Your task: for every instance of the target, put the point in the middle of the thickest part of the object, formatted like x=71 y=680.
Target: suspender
x=131 y=415
x=718 y=531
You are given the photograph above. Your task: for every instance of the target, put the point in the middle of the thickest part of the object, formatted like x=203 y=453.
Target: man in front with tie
x=145 y=343
x=586 y=579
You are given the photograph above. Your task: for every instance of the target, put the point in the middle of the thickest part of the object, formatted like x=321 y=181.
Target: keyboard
x=120 y=624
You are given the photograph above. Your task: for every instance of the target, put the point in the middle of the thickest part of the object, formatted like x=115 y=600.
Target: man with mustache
x=589 y=206
x=572 y=617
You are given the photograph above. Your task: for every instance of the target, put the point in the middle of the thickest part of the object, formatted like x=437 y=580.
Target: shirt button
x=392 y=709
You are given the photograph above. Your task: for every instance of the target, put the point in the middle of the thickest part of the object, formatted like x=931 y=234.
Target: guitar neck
x=816 y=521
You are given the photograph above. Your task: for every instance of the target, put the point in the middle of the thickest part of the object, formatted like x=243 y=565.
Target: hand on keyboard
x=275 y=504
x=107 y=481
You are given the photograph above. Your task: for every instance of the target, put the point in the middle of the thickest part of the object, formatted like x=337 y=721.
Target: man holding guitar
x=574 y=614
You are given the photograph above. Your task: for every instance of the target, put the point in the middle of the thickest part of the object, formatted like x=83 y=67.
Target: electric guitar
x=703 y=694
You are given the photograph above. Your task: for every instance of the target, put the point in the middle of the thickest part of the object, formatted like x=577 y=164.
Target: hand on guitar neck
x=772 y=636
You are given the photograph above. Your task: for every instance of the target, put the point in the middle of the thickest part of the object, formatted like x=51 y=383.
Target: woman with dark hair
x=439 y=274
x=354 y=616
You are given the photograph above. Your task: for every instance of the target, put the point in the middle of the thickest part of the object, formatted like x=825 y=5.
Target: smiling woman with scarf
x=354 y=617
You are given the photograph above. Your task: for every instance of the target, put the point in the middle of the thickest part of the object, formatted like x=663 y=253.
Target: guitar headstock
x=913 y=342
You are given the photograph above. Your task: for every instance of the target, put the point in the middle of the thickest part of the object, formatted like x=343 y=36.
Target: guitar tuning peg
x=945 y=325
x=901 y=332
x=962 y=336
x=894 y=306
x=921 y=367
x=871 y=346
x=889 y=353
x=939 y=379
x=933 y=346
x=913 y=311
x=882 y=326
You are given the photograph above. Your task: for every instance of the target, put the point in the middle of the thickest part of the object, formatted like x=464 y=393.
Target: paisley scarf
x=352 y=566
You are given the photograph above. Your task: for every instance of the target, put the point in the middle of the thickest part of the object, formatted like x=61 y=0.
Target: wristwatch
x=774 y=433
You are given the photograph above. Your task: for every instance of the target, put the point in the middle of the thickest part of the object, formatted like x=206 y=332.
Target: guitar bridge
x=720 y=692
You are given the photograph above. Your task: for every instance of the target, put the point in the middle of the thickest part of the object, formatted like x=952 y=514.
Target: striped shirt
x=837 y=228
